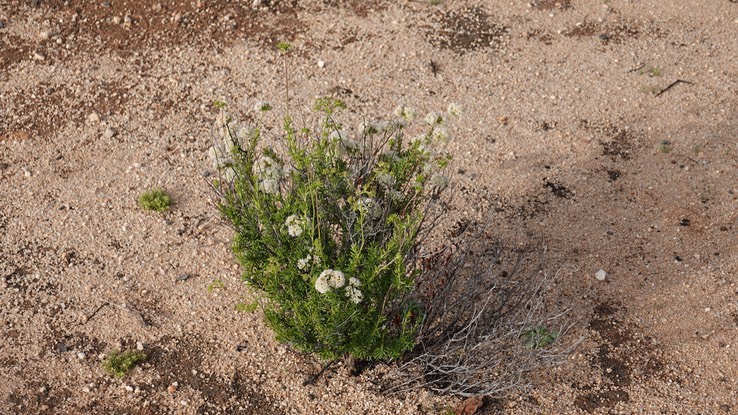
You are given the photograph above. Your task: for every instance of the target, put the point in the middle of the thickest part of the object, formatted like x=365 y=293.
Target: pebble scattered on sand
x=81 y=355
x=109 y=132
x=601 y=275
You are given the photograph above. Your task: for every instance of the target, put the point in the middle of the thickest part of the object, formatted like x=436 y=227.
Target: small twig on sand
x=312 y=379
x=678 y=81
x=97 y=310
x=641 y=66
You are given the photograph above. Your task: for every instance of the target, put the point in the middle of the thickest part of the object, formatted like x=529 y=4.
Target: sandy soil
x=572 y=135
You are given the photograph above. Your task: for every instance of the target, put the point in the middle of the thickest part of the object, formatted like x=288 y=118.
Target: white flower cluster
x=385 y=179
x=329 y=279
x=302 y=263
x=440 y=135
x=269 y=173
x=406 y=113
x=231 y=137
x=353 y=292
x=345 y=143
x=435 y=119
x=366 y=128
x=439 y=181
x=455 y=110
x=294 y=225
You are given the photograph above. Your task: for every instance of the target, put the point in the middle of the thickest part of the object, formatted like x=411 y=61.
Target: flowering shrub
x=326 y=224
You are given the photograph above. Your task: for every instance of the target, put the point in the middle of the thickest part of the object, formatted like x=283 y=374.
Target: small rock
x=321 y=64
x=62 y=347
x=601 y=275
x=172 y=388
x=183 y=277
x=93 y=117
x=81 y=355
x=129 y=388
x=116 y=20
x=109 y=133
x=43 y=35
x=106 y=3
x=38 y=56
x=86 y=389
x=139 y=346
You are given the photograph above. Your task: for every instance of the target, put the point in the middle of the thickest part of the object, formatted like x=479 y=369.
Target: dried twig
x=678 y=81
x=479 y=301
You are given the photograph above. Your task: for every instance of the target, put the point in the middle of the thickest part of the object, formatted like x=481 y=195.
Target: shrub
x=327 y=225
x=156 y=199
x=119 y=364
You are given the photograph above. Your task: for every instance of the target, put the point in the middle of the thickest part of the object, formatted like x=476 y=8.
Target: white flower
x=303 y=262
x=406 y=113
x=269 y=186
x=269 y=173
x=455 y=110
x=440 y=135
x=262 y=106
x=372 y=127
x=267 y=168
x=354 y=282
x=329 y=278
x=321 y=284
x=337 y=279
x=434 y=118
x=385 y=179
x=439 y=181
x=354 y=294
x=294 y=225
x=345 y=143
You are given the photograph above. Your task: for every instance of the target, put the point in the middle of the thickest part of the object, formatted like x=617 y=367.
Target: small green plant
x=119 y=364
x=156 y=199
x=217 y=283
x=247 y=307
x=327 y=226
x=539 y=337
x=664 y=146
x=435 y=2
x=651 y=71
x=650 y=89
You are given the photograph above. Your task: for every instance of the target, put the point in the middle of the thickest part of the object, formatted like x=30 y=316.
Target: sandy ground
x=572 y=136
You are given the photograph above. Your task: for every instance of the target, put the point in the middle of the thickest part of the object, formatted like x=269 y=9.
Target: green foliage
x=664 y=146
x=156 y=199
x=326 y=227
x=217 y=283
x=539 y=337
x=119 y=364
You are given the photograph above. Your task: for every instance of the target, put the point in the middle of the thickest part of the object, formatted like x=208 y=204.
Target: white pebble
x=601 y=275
x=129 y=388
x=321 y=64
x=86 y=389
x=81 y=355
x=109 y=133
x=139 y=346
